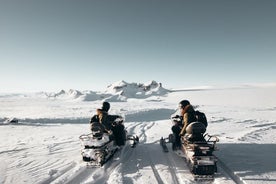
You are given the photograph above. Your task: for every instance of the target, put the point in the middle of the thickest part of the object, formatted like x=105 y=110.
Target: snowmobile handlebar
x=211 y=138
x=177 y=119
x=86 y=136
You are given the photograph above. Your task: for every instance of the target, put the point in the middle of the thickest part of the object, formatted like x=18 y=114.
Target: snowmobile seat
x=191 y=138
x=196 y=128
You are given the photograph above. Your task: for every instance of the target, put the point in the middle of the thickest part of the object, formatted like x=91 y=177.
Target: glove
x=177 y=116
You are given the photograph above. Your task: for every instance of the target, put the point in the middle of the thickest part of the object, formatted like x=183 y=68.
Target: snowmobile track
x=123 y=154
x=155 y=171
x=87 y=171
x=172 y=169
x=59 y=174
x=227 y=171
x=81 y=175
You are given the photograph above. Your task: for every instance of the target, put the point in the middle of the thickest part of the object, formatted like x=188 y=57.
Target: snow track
x=146 y=163
x=224 y=169
x=172 y=169
x=56 y=174
x=89 y=174
x=60 y=160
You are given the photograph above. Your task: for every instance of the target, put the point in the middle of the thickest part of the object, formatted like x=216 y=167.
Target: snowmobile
x=99 y=146
x=197 y=149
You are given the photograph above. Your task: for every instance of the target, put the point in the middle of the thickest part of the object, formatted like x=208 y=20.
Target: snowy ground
x=45 y=148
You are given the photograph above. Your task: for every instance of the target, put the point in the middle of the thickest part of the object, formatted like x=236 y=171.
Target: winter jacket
x=188 y=117
x=104 y=119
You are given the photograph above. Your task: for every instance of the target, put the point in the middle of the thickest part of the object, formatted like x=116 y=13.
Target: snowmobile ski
x=134 y=140
x=163 y=144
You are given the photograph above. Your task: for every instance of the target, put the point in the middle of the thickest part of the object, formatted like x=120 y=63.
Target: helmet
x=105 y=106
x=184 y=103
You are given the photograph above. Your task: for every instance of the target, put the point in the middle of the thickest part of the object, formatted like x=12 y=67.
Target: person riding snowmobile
x=115 y=128
x=184 y=119
x=96 y=122
x=102 y=118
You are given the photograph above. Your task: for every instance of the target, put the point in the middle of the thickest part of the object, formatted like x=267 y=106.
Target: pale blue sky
x=61 y=44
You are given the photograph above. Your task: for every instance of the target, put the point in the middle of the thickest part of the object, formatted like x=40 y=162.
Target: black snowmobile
x=197 y=149
x=100 y=146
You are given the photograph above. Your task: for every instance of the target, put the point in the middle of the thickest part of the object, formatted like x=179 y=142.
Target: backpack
x=200 y=117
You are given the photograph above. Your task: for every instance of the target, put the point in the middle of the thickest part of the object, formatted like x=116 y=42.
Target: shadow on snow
x=249 y=159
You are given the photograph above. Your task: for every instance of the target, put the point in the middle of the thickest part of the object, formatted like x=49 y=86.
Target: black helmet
x=184 y=103
x=106 y=106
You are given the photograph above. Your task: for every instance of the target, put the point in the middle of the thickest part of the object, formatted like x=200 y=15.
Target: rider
x=104 y=117
x=109 y=123
x=101 y=118
x=95 y=122
x=184 y=119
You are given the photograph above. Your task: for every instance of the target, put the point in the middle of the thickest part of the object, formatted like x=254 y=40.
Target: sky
x=49 y=45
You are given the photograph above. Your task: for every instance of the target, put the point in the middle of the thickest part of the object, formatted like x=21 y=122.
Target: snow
x=44 y=147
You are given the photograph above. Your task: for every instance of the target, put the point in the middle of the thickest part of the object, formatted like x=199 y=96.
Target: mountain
x=70 y=94
x=118 y=91
x=123 y=89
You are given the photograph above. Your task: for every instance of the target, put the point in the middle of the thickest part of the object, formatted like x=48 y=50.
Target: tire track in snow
x=142 y=128
x=131 y=128
x=110 y=167
x=81 y=175
x=172 y=169
x=178 y=168
x=155 y=171
x=226 y=170
x=58 y=174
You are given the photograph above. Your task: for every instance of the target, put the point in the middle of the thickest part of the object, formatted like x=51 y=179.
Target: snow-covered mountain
x=136 y=90
x=118 y=91
x=71 y=94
